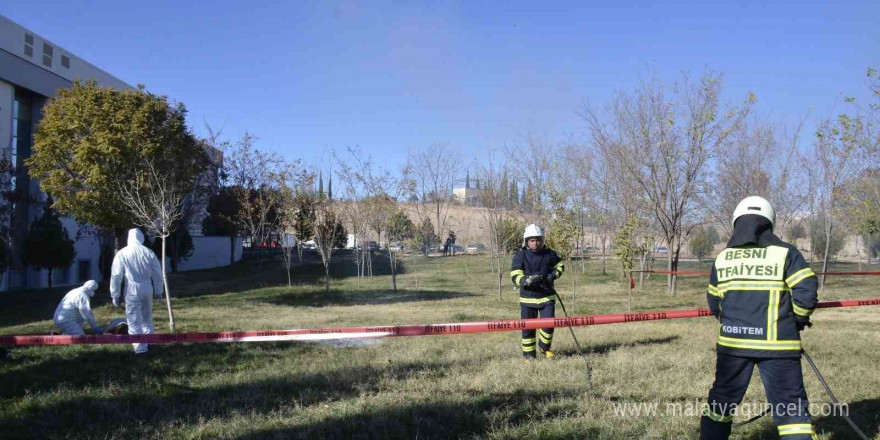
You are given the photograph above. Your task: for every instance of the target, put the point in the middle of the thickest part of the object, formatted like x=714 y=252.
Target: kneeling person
x=75 y=309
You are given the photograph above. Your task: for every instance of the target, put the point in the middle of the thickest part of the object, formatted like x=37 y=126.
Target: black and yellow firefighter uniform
x=533 y=272
x=763 y=292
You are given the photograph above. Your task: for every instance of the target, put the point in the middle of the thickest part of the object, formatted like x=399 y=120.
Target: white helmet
x=532 y=230
x=755 y=205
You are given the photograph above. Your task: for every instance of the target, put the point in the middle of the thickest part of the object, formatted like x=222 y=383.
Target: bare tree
x=291 y=184
x=429 y=175
x=250 y=173
x=770 y=159
x=500 y=223
x=838 y=152
x=326 y=234
x=534 y=168
x=155 y=202
x=664 y=144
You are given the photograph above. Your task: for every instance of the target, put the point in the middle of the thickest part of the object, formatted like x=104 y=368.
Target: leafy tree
x=400 y=227
x=796 y=232
x=628 y=249
x=92 y=138
x=818 y=237
x=48 y=245
x=425 y=238
x=223 y=210
x=701 y=243
x=180 y=244
x=563 y=233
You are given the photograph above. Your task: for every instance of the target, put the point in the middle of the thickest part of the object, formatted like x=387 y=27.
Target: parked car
x=476 y=248
x=396 y=247
x=661 y=249
x=372 y=246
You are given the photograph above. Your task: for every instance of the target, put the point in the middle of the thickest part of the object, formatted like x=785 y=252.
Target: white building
x=32 y=69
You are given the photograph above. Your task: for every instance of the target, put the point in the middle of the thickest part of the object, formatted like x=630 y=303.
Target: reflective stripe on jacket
x=757 y=291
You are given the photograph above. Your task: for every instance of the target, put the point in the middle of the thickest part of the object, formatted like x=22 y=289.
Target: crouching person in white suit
x=142 y=272
x=75 y=309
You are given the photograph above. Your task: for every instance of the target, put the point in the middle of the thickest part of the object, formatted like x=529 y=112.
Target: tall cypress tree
x=330 y=187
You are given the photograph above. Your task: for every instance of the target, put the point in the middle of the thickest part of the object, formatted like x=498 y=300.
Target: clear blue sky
x=307 y=77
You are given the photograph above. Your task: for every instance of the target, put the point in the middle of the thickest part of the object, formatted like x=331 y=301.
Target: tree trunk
x=50 y=278
x=287 y=258
x=231 y=249
x=393 y=263
x=167 y=291
x=603 y=258
x=825 y=257
x=499 y=279
x=573 y=289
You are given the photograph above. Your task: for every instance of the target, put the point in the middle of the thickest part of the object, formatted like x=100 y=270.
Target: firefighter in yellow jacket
x=763 y=293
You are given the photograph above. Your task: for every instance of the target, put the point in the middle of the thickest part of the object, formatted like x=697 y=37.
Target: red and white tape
x=500 y=325
x=693 y=274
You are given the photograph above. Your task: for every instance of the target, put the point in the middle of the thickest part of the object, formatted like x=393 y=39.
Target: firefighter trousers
x=545 y=335
x=783 y=384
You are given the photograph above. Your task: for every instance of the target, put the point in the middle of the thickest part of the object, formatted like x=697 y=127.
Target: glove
x=98 y=330
x=116 y=302
x=802 y=322
x=533 y=280
x=551 y=277
x=158 y=296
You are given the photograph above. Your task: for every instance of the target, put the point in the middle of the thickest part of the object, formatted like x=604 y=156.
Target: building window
x=65 y=61
x=48 y=50
x=29 y=45
x=84 y=271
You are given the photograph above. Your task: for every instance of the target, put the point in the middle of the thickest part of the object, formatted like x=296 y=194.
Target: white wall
x=208 y=252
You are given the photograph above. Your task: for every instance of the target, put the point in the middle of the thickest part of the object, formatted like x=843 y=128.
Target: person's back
x=70 y=305
x=763 y=293
x=140 y=262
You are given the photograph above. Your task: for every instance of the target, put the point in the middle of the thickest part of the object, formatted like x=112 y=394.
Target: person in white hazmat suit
x=74 y=309
x=142 y=272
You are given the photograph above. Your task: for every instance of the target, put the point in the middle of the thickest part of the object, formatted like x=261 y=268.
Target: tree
x=701 y=243
x=399 y=228
x=493 y=202
x=424 y=238
x=48 y=245
x=155 y=201
x=6 y=173
x=429 y=175
x=819 y=238
x=796 y=232
x=291 y=186
x=304 y=224
x=328 y=235
x=90 y=138
x=628 y=250
x=224 y=210
x=836 y=161
x=664 y=144
x=180 y=245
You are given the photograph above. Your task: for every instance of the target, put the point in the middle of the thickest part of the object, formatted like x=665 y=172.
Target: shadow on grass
x=147 y=402
x=609 y=347
x=865 y=414
x=437 y=420
x=371 y=297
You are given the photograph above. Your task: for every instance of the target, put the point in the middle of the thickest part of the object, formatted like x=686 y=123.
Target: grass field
x=437 y=387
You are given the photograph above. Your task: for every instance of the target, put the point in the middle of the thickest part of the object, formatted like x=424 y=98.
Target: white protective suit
x=142 y=272
x=74 y=309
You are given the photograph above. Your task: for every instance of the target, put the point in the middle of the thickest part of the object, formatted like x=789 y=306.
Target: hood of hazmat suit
x=142 y=272
x=74 y=309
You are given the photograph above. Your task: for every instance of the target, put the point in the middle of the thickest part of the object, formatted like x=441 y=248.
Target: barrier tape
x=382 y=331
x=686 y=273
